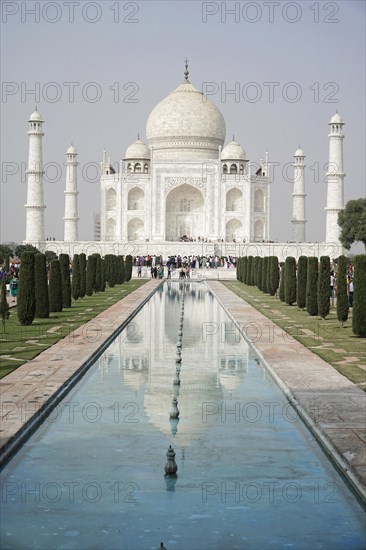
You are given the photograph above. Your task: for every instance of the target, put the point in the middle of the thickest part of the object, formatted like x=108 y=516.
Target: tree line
x=40 y=293
x=307 y=284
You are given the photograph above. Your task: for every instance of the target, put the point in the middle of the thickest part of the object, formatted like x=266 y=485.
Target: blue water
x=250 y=474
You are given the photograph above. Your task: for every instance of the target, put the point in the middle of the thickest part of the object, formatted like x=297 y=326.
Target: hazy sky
x=292 y=65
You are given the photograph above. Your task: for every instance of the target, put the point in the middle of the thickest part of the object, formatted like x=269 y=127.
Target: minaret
x=34 y=224
x=335 y=175
x=71 y=193
x=298 y=201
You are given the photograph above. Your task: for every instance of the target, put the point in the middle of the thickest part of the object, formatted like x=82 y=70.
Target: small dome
x=35 y=117
x=336 y=119
x=233 y=151
x=299 y=153
x=137 y=150
x=71 y=150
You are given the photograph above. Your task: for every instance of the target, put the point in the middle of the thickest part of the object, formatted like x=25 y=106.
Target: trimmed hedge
x=128 y=268
x=359 y=296
x=26 y=294
x=323 y=289
x=66 y=282
x=82 y=263
x=342 y=295
x=311 y=286
x=41 y=287
x=302 y=273
x=290 y=280
x=55 y=287
x=274 y=275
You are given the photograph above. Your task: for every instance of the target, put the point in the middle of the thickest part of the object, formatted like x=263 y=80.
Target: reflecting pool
x=250 y=474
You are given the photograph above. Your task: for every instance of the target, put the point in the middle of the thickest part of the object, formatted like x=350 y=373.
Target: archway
x=136 y=199
x=233 y=229
x=111 y=199
x=135 y=229
x=111 y=229
x=259 y=201
x=234 y=200
x=258 y=230
x=184 y=213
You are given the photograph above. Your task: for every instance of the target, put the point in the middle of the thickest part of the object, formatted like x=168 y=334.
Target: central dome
x=185 y=125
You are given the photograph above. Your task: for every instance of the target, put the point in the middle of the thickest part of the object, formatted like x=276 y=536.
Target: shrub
x=26 y=295
x=82 y=263
x=245 y=270
x=76 y=290
x=290 y=280
x=66 y=282
x=102 y=275
x=359 y=296
x=91 y=273
x=342 y=295
x=41 y=287
x=250 y=270
x=311 y=286
x=323 y=289
x=128 y=268
x=4 y=306
x=120 y=270
x=281 y=292
x=274 y=275
x=265 y=274
x=98 y=273
x=259 y=273
x=302 y=272
x=55 y=287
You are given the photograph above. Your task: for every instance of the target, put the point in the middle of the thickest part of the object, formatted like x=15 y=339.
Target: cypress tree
x=4 y=306
x=342 y=296
x=302 y=272
x=259 y=273
x=91 y=269
x=245 y=270
x=239 y=268
x=55 y=287
x=112 y=280
x=323 y=290
x=359 y=296
x=82 y=263
x=250 y=270
x=66 y=282
x=120 y=270
x=281 y=292
x=98 y=273
x=311 y=286
x=290 y=280
x=26 y=295
x=41 y=287
x=107 y=263
x=265 y=274
x=128 y=268
x=76 y=277
x=102 y=275
x=274 y=275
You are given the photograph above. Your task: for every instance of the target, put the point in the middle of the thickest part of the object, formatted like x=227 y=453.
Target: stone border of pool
x=30 y=392
x=330 y=405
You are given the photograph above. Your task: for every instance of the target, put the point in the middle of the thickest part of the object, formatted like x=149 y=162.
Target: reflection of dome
x=233 y=151
x=137 y=150
x=336 y=119
x=186 y=122
x=35 y=117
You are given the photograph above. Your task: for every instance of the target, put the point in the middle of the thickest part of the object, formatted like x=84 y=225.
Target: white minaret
x=34 y=225
x=71 y=197
x=335 y=175
x=298 y=199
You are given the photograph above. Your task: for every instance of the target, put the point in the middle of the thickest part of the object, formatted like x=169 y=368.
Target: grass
x=19 y=343
x=337 y=345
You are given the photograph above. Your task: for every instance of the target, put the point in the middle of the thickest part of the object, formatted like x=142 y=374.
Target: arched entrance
x=135 y=229
x=233 y=230
x=184 y=213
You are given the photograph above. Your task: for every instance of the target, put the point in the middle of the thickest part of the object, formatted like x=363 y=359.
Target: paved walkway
x=330 y=404
x=27 y=391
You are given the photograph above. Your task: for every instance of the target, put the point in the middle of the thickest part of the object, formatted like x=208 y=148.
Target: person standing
x=350 y=292
x=14 y=286
x=139 y=269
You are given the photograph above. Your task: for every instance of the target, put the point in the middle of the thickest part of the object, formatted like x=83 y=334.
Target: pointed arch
x=135 y=229
x=136 y=199
x=259 y=200
x=111 y=199
x=234 y=200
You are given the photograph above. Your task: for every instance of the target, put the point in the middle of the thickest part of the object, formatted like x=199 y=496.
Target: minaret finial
x=186 y=72
x=233 y=137
x=138 y=135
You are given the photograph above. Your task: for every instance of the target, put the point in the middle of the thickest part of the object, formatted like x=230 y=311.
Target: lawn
x=19 y=343
x=337 y=345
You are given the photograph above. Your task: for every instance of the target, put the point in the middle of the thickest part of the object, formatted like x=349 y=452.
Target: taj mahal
x=185 y=187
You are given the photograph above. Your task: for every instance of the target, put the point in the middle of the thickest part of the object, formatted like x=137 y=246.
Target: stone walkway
x=332 y=406
x=27 y=392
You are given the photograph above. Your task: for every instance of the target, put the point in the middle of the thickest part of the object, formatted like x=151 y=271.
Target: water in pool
x=250 y=474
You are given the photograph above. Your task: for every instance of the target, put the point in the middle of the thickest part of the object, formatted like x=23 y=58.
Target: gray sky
x=134 y=54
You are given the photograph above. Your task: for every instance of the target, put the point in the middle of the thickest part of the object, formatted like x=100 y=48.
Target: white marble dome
x=71 y=150
x=299 y=153
x=36 y=117
x=233 y=151
x=336 y=119
x=185 y=125
x=137 y=150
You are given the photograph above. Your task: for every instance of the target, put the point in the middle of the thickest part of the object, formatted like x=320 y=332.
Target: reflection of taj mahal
x=184 y=182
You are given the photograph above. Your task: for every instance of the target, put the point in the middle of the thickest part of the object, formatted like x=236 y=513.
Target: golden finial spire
x=186 y=72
